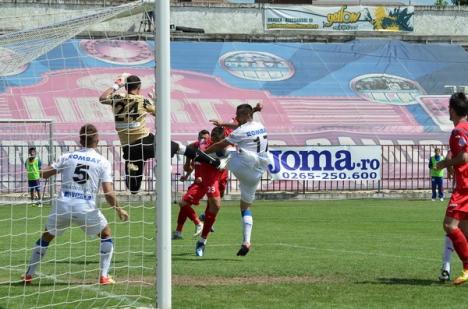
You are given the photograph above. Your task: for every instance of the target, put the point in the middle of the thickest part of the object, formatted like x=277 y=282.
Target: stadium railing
x=404 y=167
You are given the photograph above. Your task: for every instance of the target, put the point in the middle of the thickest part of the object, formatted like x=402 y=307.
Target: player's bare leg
x=31 y=191
x=39 y=200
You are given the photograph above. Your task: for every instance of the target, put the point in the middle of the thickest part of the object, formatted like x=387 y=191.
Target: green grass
x=305 y=254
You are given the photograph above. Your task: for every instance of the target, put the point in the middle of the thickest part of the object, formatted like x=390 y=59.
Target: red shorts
x=208 y=186
x=195 y=192
x=458 y=205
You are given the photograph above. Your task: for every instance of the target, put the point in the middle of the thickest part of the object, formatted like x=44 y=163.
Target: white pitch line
x=127 y=300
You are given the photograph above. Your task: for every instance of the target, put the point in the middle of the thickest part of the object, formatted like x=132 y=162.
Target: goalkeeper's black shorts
x=143 y=149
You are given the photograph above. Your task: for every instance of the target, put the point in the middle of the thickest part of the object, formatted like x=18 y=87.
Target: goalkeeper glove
x=120 y=81
x=152 y=94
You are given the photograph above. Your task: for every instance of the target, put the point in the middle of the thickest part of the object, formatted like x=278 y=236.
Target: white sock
x=38 y=253
x=106 y=250
x=247 y=223
x=203 y=240
x=182 y=149
x=446 y=257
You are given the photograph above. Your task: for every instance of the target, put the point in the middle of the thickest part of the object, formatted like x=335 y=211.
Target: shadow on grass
x=190 y=257
x=402 y=281
x=36 y=284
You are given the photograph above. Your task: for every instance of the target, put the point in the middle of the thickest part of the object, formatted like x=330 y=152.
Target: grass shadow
x=192 y=258
x=35 y=285
x=402 y=281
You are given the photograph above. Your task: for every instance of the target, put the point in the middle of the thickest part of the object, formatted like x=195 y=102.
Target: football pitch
x=305 y=254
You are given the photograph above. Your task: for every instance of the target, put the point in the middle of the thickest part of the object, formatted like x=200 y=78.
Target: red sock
x=209 y=221
x=460 y=244
x=192 y=215
x=182 y=218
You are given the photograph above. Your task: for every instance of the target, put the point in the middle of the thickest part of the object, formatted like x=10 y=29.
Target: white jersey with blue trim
x=82 y=173
x=251 y=141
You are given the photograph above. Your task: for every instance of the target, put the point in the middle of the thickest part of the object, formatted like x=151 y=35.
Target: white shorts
x=248 y=173
x=62 y=216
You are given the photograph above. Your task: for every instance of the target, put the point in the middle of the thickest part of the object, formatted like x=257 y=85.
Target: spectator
x=437 y=176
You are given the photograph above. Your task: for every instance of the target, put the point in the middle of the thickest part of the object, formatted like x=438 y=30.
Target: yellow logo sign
x=342 y=16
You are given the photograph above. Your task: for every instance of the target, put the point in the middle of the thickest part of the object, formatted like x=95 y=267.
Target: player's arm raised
x=219 y=123
x=234 y=123
x=111 y=199
x=148 y=104
x=106 y=96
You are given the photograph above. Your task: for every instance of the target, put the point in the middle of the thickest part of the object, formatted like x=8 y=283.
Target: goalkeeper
x=130 y=110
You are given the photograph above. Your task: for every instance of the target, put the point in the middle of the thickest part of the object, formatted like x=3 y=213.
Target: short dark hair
x=218 y=133
x=202 y=132
x=244 y=110
x=244 y=106
x=133 y=82
x=31 y=149
x=88 y=136
x=459 y=104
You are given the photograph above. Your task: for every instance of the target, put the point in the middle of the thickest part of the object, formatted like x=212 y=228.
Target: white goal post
x=51 y=72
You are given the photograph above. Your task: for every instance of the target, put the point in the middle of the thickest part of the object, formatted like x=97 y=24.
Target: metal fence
x=404 y=167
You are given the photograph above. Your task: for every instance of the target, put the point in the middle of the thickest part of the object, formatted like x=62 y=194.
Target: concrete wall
x=247 y=19
x=435 y=21
x=219 y=18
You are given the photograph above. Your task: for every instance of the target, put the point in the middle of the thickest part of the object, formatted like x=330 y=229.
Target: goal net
x=56 y=72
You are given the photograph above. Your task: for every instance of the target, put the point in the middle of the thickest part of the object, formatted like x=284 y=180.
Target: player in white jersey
x=248 y=163
x=83 y=172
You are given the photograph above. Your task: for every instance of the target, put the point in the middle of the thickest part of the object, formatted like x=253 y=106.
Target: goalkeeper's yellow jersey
x=130 y=112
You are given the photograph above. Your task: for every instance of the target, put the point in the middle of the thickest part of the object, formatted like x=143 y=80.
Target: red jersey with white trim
x=459 y=143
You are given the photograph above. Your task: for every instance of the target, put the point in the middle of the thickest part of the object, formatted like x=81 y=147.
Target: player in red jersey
x=456 y=215
x=210 y=185
x=192 y=196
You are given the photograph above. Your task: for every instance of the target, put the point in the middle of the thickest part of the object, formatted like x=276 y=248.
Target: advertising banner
x=334 y=163
x=344 y=18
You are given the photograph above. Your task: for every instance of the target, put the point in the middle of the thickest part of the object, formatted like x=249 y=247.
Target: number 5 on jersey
x=81 y=175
